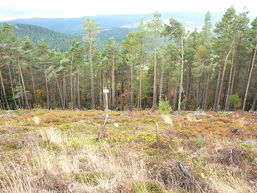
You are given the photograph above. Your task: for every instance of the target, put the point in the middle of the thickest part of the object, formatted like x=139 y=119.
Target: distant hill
x=55 y=40
x=75 y=25
x=62 y=41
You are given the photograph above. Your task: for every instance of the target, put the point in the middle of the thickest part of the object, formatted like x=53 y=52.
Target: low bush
x=164 y=107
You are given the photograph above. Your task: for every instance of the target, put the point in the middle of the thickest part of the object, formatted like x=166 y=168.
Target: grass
x=59 y=153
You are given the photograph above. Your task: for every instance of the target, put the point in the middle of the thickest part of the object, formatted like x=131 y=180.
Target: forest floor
x=57 y=151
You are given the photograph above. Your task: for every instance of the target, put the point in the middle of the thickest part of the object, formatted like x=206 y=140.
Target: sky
x=12 y=9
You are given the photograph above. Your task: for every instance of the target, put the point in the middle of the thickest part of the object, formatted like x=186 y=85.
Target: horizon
x=115 y=14
x=14 y=9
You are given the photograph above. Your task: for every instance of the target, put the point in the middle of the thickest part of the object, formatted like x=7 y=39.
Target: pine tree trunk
x=2 y=99
x=23 y=84
x=140 y=88
x=71 y=84
x=3 y=88
x=122 y=91
x=254 y=102
x=101 y=91
x=47 y=89
x=233 y=78
x=221 y=81
x=217 y=90
x=74 y=91
x=33 y=85
x=161 y=84
x=131 y=86
x=11 y=81
x=229 y=92
x=169 y=88
x=206 y=92
x=249 y=78
x=181 y=74
x=189 y=80
x=113 y=81
x=59 y=90
x=21 y=99
x=155 y=74
x=175 y=97
x=65 y=97
x=78 y=89
x=197 y=94
x=92 y=88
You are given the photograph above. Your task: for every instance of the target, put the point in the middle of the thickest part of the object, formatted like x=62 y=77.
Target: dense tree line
x=211 y=69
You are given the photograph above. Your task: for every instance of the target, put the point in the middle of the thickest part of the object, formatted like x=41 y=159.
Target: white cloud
x=10 y=9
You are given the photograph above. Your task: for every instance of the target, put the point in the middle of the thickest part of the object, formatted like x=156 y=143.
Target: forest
x=210 y=69
x=166 y=110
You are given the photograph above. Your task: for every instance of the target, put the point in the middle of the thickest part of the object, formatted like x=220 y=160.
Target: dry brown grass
x=58 y=153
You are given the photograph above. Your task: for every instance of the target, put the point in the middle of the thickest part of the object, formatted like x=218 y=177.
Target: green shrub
x=235 y=100
x=164 y=107
x=199 y=142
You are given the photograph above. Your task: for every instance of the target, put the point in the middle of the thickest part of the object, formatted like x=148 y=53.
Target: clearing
x=57 y=151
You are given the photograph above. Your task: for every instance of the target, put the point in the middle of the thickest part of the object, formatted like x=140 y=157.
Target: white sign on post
x=106 y=90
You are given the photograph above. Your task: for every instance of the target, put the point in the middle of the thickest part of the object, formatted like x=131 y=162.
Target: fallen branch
x=190 y=177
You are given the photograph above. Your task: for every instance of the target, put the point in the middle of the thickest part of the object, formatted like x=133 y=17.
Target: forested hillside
x=55 y=40
x=62 y=42
x=211 y=69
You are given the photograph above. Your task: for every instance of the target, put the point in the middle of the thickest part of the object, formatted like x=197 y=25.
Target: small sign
x=106 y=91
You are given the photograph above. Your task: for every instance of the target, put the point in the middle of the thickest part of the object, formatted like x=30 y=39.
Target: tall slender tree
x=92 y=29
x=155 y=26
x=175 y=30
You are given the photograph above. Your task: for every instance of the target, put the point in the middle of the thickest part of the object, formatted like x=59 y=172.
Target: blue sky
x=12 y=9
